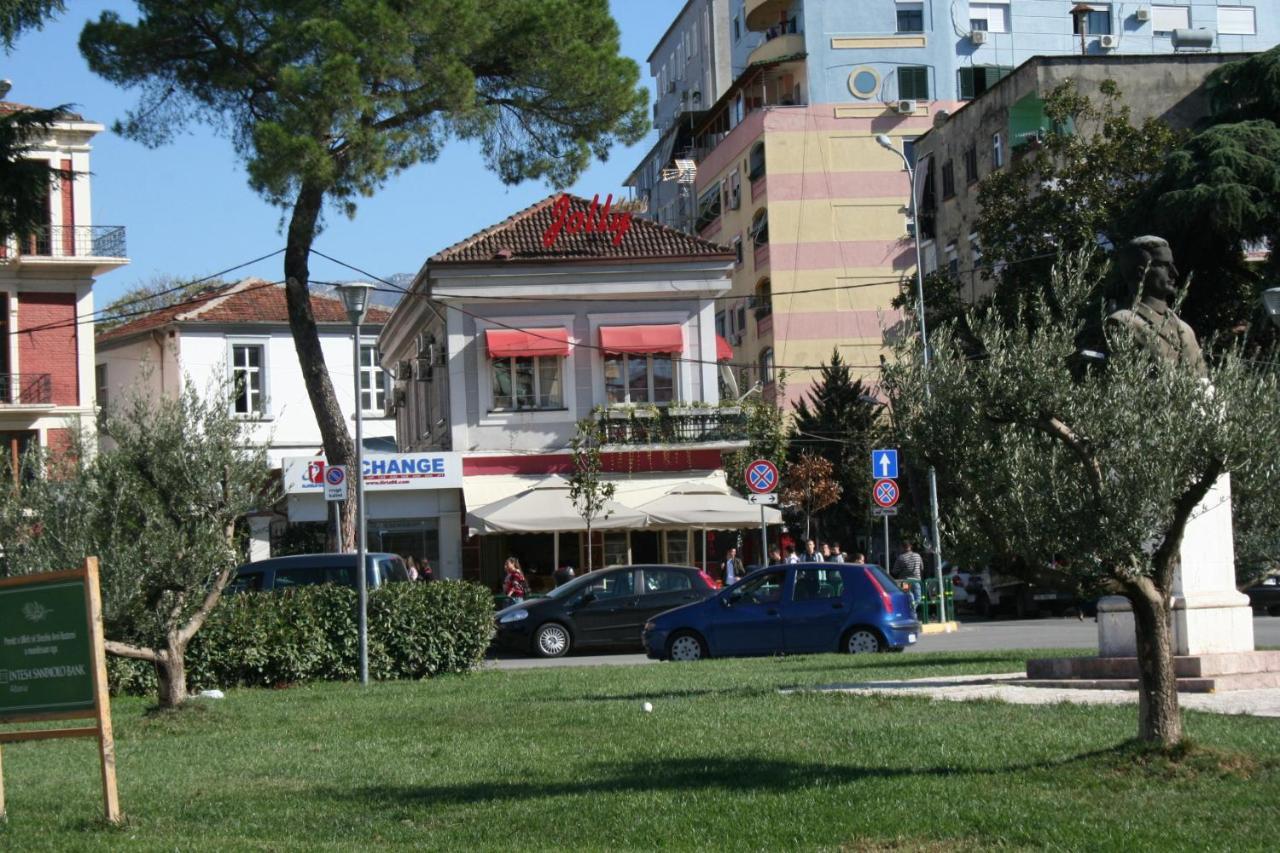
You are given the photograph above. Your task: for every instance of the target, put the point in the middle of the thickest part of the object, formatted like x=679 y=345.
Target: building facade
x=512 y=337
x=239 y=335
x=1005 y=123
x=789 y=172
x=46 y=301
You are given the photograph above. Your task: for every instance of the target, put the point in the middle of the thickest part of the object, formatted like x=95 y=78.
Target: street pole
x=887 y=143
x=764 y=540
x=356 y=297
x=886 y=544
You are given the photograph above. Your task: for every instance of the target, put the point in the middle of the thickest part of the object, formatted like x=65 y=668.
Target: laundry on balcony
x=514 y=343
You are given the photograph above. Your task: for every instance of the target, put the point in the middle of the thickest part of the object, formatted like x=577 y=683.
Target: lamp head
x=355 y=295
x=1271 y=299
x=885 y=141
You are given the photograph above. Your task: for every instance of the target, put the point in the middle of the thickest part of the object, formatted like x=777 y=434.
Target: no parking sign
x=335 y=483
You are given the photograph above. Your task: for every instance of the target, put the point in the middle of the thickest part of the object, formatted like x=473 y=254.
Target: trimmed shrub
x=416 y=630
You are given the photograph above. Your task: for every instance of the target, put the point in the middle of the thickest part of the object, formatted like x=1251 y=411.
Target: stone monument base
x=1205 y=673
x=1203 y=623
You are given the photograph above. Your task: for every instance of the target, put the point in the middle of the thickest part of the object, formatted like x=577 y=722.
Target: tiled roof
x=249 y=301
x=7 y=107
x=519 y=238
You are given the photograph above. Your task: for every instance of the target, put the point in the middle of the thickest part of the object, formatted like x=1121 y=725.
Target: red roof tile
x=519 y=238
x=249 y=301
x=7 y=107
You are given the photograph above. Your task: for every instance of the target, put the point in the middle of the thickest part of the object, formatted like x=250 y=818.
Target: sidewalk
x=1008 y=687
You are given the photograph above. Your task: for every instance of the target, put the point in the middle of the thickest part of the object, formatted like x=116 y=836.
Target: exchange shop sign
x=383 y=472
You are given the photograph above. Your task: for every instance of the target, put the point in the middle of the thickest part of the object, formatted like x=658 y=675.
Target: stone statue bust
x=1147 y=266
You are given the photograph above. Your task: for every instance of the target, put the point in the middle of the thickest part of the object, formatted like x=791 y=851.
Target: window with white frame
x=373 y=382
x=1237 y=21
x=992 y=17
x=910 y=16
x=997 y=151
x=637 y=378
x=1165 y=19
x=525 y=382
x=248 y=379
x=1094 y=20
x=677 y=547
x=766 y=365
x=101 y=386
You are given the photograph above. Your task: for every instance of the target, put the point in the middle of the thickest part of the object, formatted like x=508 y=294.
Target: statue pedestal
x=1212 y=622
x=1209 y=615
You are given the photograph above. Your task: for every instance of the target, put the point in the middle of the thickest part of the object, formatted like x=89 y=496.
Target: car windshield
x=887 y=582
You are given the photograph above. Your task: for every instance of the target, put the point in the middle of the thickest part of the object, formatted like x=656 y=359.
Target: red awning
x=508 y=343
x=641 y=340
x=724 y=352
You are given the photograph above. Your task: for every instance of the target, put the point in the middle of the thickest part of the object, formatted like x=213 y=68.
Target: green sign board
x=46 y=662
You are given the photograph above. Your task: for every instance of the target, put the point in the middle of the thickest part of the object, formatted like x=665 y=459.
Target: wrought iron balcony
x=68 y=241
x=725 y=426
x=26 y=389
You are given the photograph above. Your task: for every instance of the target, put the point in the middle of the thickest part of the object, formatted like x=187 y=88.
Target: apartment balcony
x=26 y=389
x=763 y=14
x=100 y=245
x=787 y=42
x=674 y=426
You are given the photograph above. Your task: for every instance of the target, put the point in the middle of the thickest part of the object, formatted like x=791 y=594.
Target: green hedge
x=416 y=630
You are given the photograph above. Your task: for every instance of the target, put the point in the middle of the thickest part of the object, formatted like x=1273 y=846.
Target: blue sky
x=189 y=211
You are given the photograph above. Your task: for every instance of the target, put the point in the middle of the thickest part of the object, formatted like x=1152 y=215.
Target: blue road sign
x=762 y=476
x=884 y=464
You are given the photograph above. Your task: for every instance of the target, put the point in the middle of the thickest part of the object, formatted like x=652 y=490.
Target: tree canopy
x=19 y=16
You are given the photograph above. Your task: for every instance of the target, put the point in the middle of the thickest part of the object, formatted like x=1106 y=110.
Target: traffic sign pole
x=762 y=478
x=886 y=545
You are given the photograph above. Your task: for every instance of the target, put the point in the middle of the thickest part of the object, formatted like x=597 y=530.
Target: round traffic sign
x=885 y=493
x=334 y=475
x=762 y=476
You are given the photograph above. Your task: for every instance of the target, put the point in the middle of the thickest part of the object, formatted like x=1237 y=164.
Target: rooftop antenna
x=684 y=174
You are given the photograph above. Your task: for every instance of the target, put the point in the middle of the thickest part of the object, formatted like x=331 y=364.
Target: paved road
x=973 y=636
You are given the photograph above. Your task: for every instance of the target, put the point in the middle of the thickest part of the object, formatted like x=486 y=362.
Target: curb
x=940 y=628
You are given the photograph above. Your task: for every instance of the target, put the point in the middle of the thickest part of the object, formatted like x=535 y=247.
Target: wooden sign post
x=53 y=664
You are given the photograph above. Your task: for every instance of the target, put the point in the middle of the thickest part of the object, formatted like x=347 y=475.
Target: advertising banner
x=382 y=472
x=46 y=662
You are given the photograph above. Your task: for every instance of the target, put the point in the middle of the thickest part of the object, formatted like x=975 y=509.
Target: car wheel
x=863 y=641
x=551 y=640
x=686 y=646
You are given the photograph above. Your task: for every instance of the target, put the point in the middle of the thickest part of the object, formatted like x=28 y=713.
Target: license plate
x=911 y=638
x=1045 y=596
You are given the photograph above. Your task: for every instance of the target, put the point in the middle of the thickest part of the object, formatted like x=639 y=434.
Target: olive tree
x=1091 y=471
x=158 y=507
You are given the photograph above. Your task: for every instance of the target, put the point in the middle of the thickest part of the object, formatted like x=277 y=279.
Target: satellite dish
x=940 y=118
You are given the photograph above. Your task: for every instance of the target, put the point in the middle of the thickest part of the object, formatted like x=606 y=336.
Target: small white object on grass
x=648 y=707
x=212 y=694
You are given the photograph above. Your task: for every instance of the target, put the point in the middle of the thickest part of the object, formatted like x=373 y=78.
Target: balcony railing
x=68 y=241
x=674 y=425
x=26 y=389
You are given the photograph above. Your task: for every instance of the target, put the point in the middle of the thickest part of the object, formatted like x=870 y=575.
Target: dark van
x=309 y=569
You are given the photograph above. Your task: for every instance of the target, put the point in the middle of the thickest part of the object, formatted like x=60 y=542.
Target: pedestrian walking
x=514 y=584
x=411 y=568
x=908 y=568
x=811 y=553
x=732 y=566
x=792 y=557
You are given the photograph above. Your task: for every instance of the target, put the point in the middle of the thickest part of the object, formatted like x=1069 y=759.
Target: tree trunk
x=338 y=446
x=1159 y=721
x=588 y=546
x=171 y=675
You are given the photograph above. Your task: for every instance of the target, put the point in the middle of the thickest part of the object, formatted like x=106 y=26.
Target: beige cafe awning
x=701 y=505
x=514 y=504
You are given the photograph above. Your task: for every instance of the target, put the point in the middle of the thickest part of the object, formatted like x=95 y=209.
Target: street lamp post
x=887 y=143
x=356 y=297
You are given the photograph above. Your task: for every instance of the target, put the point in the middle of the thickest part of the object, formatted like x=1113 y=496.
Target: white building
x=239 y=334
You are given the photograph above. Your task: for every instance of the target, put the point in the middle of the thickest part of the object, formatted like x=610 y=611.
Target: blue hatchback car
x=790 y=609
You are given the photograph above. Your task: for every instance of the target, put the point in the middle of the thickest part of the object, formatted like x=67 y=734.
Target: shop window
x=1096 y=22
x=911 y=17
x=248 y=379
x=977 y=79
x=948 y=180
x=913 y=83
x=373 y=382
x=677 y=544
x=632 y=379
x=756 y=160
x=615 y=554
x=527 y=382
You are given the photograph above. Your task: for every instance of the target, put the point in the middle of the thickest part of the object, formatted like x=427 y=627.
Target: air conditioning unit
x=978 y=37
x=422 y=369
x=905 y=108
x=1143 y=14
x=1108 y=42
x=404 y=367
x=425 y=340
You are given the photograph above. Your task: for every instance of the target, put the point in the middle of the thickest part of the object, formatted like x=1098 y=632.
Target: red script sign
x=595 y=218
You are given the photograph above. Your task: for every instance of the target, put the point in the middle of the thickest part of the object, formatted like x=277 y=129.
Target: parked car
x=1265 y=597
x=792 y=609
x=311 y=569
x=988 y=593
x=602 y=608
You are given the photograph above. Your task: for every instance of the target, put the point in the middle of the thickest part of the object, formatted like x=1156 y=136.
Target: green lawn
x=567 y=759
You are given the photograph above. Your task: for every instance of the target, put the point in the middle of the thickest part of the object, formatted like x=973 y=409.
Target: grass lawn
x=566 y=758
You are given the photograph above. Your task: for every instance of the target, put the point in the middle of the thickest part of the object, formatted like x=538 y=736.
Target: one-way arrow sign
x=884 y=464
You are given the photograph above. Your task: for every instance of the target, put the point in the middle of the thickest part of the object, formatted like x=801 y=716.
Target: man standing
x=837 y=555
x=811 y=554
x=732 y=566
x=908 y=569
x=775 y=556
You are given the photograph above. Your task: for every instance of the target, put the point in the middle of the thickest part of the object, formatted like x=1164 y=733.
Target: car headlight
x=514 y=616
x=650 y=626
